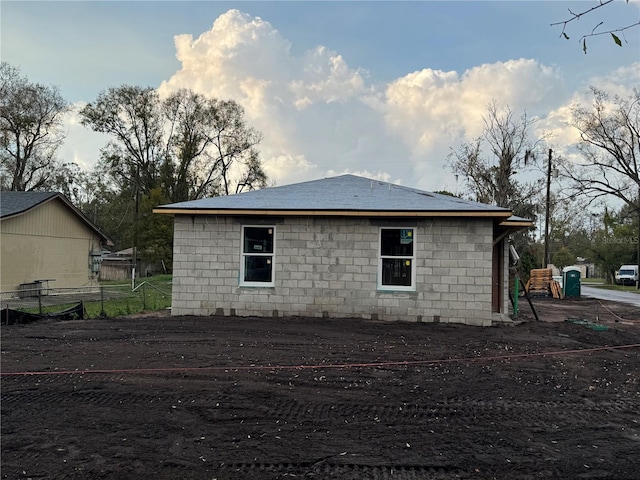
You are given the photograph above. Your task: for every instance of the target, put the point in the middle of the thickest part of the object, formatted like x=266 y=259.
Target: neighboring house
x=342 y=247
x=45 y=239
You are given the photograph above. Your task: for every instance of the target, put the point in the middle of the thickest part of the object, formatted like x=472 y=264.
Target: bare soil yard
x=155 y=397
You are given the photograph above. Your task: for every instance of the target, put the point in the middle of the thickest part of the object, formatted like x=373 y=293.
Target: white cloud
x=433 y=111
x=298 y=167
x=319 y=116
x=313 y=110
x=428 y=105
x=620 y=81
x=325 y=77
x=384 y=177
x=558 y=123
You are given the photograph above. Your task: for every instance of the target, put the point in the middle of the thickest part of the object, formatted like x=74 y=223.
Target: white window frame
x=411 y=258
x=244 y=254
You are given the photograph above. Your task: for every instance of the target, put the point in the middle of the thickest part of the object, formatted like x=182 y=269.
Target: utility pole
x=545 y=260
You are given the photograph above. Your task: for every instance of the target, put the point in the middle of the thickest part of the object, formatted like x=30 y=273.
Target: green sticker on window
x=406 y=235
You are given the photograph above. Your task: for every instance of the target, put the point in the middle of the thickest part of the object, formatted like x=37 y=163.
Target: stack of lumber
x=542 y=284
x=556 y=289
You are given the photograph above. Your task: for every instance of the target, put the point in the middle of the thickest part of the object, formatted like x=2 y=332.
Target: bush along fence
x=84 y=302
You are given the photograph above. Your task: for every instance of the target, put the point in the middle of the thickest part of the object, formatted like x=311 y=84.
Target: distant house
x=342 y=247
x=118 y=266
x=45 y=239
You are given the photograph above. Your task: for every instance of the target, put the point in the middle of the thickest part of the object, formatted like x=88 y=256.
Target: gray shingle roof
x=345 y=193
x=12 y=203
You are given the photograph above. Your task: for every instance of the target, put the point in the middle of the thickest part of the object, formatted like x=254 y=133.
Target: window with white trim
x=257 y=256
x=396 y=266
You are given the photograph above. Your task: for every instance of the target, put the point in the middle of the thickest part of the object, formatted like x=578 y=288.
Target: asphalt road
x=613 y=295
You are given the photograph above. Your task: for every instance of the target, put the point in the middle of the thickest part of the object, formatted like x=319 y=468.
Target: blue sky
x=383 y=89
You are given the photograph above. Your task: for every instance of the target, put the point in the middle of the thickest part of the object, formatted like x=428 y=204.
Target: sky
x=379 y=89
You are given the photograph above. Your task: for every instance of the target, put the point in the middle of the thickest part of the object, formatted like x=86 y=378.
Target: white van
x=627 y=275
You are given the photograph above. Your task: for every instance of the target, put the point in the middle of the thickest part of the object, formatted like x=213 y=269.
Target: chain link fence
x=97 y=301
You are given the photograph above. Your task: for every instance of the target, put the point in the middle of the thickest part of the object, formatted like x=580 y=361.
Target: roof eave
x=86 y=220
x=511 y=226
x=517 y=224
x=335 y=213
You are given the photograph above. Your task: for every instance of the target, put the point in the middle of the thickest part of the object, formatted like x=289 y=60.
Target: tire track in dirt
x=346 y=471
x=460 y=411
x=452 y=410
x=27 y=397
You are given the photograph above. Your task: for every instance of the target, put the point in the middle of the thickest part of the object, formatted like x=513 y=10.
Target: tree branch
x=583 y=38
x=576 y=16
x=611 y=32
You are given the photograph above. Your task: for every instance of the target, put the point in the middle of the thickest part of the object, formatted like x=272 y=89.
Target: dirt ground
x=155 y=397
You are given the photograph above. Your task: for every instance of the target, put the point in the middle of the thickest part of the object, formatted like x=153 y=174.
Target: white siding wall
x=329 y=267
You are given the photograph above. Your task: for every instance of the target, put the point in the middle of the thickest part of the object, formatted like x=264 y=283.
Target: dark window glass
x=397 y=242
x=258 y=240
x=396 y=271
x=257 y=269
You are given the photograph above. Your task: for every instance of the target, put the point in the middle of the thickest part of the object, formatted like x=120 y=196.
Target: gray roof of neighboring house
x=342 y=194
x=17 y=203
x=13 y=203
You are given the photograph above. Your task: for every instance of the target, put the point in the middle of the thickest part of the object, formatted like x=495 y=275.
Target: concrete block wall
x=329 y=267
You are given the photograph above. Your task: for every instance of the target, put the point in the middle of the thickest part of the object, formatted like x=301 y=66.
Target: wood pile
x=542 y=284
x=556 y=289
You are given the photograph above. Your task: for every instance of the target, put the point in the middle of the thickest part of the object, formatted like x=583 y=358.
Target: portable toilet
x=571 y=281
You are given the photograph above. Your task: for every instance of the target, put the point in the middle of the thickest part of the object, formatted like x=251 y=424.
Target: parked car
x=627 y=275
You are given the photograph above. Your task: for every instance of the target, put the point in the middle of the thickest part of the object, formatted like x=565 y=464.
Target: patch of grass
x=150 y=294
x=599 y=283
x=592 y=280
x=114 y=299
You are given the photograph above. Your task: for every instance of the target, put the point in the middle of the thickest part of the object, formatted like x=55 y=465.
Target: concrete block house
x=342 y=247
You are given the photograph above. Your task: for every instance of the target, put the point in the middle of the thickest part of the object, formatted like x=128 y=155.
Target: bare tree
x=610 y=147
x=492 y=179
x=31 y=131
x=181 y=148
x=234 y=143
x=595 y=31
x=131 y=115
x=190 y=145
x=210 y=149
